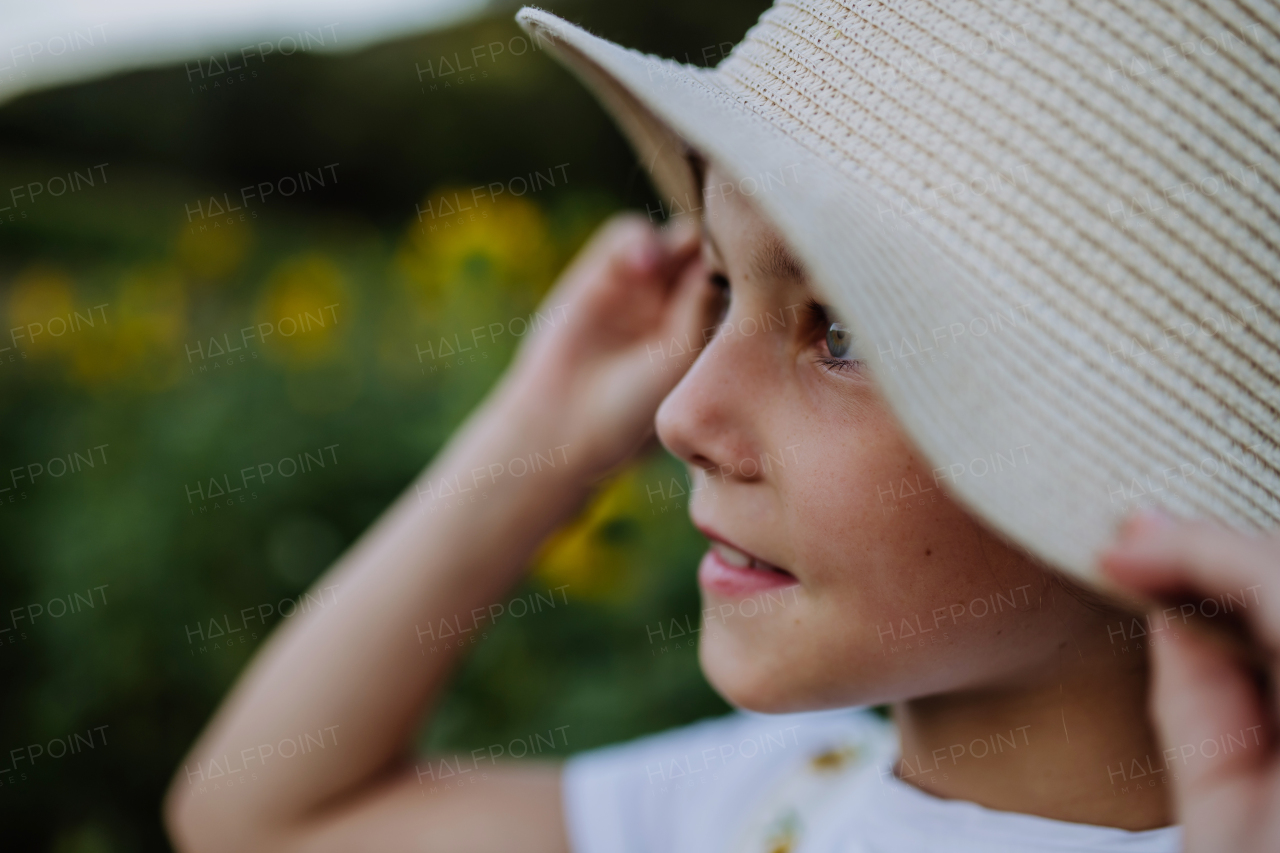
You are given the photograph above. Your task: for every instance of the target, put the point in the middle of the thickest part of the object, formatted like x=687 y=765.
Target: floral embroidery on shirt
x=834 y=760
x=781 y=820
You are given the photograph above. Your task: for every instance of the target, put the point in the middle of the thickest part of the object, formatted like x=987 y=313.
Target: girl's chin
x=743 y=682
x=724 y=580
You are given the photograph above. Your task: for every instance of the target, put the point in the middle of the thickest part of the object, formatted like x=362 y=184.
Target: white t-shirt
x=819 y=782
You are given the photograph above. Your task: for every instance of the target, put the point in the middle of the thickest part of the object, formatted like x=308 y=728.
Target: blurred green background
x=142 y=381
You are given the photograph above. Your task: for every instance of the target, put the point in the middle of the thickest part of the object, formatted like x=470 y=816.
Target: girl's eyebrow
x=773 y=259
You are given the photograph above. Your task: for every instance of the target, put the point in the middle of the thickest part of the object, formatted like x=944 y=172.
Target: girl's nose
x=709 y=418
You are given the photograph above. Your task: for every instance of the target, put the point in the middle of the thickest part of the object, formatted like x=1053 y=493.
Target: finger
x=635 y=254
x=659 y=252
x=690 y=293
x=1210 y=718
x=1239 y=570
x=626 y=245
x=632 y=246
x=1146 y=522
x=679 y=337
x=679 y=244
x=681 y=237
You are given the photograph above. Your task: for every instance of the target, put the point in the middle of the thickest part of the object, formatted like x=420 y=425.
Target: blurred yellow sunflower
x=302 y=309
x=139 y=333
x=41 y=311
x=590 y=554
x=462 y=241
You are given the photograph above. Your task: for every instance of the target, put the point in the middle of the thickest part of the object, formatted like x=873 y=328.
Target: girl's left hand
x=1205 y=701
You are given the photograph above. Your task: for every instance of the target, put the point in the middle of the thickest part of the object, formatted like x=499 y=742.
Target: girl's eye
x=839 y=341
x=841 y=351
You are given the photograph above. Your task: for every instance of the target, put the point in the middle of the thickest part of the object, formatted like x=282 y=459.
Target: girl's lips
x=725 y=572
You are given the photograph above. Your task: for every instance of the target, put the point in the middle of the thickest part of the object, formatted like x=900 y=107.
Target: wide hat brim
x=1013 y=392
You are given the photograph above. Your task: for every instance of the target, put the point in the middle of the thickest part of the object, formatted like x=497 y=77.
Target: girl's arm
x=356 y=675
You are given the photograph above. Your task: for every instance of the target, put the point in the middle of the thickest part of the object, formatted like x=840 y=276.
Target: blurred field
x=126 y=303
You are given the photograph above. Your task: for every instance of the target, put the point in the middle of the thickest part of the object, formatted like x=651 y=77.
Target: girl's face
x=839 y=572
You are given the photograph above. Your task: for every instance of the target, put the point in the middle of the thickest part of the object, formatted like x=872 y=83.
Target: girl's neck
x=1071 y=743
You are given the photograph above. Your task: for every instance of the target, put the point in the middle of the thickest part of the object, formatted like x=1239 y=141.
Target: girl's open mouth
x=732 y=572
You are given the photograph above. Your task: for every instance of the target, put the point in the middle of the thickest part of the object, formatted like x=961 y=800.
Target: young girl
x=1019 y=698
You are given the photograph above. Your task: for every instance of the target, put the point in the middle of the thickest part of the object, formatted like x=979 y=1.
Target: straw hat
x=1053 y=226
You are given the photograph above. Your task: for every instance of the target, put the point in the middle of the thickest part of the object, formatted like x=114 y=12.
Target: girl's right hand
x=628 y=319
x=1204 y=700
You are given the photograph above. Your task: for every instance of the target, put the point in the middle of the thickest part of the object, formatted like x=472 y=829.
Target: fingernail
x=646 y=257
x=1145 y=521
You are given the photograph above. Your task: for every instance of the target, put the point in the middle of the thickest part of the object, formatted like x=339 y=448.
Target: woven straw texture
x=1054 y=227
